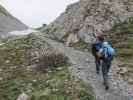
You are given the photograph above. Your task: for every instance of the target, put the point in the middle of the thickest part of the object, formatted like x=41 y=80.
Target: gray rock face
x=9 y=23
x=90 y=16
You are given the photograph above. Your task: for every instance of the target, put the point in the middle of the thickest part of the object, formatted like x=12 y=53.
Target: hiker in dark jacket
x=95 y=49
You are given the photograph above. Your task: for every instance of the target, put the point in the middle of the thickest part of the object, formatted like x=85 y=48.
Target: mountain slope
x=9 y=23
x=90 y=16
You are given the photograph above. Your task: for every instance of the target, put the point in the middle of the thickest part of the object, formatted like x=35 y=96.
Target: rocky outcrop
x=90 y=16
x=9 y=23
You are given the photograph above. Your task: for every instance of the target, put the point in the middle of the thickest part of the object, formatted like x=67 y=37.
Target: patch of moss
x=81 y=45
x=65 y=36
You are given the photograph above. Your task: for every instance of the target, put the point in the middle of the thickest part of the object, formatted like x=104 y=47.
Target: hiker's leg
x=109 y=62
x=105 y=73
x=97 y=62
x=108 y=66
x=104 y=70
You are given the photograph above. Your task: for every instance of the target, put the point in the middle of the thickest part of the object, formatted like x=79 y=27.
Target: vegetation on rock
x=81 y=45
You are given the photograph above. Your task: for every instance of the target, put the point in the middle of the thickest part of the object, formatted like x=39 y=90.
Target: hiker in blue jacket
x=107 y=52
x=103 y=53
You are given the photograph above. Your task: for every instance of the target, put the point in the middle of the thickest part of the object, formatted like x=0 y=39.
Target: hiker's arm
x=101 y=50
x=93 y=49
x=99 y=53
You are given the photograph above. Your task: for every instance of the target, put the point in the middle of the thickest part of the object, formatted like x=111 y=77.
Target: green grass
x=81 y=45
x=66 y=36
x=40 y=86
x=53 y=84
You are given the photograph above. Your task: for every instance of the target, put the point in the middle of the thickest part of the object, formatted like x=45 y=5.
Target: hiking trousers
x=106 y=64
x=98 y=64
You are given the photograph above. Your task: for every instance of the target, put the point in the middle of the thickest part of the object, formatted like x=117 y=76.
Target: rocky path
x=83 y=66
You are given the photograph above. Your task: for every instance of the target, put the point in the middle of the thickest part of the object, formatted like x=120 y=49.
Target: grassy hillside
x=121 y=37
x=19 y=73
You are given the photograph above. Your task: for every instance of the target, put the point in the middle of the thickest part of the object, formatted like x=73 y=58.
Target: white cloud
x=36 y=12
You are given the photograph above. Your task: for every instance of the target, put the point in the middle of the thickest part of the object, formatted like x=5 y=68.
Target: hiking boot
x=106 y=87
x=98 y=72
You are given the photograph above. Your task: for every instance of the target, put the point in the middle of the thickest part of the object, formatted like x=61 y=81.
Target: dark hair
x=100 y=37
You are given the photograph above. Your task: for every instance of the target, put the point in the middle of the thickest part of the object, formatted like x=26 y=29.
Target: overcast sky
x=36 y=12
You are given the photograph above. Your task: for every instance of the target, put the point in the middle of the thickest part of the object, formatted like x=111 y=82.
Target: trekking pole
x=94 y=35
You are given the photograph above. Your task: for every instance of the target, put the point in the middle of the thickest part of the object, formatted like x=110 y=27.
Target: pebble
x=55 y=90
x=29 y=91
x=34 y=80
x=1 y=70
x=7 y=61
x=130 y=80
x=23 y=96
x=123 y=71
x=1 y=78
x=2 y=44
x=49 y=71
x=115 y=83
x=59 y=68
x=86 y=50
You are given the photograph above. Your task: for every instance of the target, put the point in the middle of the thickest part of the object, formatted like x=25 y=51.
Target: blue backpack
x=108 y=50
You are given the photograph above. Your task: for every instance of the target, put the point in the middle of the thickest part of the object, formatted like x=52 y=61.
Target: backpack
x=108 y=50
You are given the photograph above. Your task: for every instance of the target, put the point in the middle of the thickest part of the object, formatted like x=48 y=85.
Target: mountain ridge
x=9 y=23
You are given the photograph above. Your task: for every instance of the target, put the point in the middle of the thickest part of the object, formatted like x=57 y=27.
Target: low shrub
x=51 y=61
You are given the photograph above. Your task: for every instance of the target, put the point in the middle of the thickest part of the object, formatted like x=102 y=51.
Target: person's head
x=100 y=37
